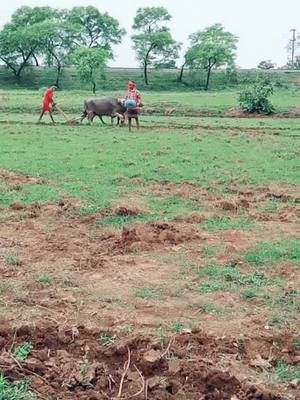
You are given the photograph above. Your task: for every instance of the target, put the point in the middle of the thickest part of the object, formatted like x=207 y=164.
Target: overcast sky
x=263 y=26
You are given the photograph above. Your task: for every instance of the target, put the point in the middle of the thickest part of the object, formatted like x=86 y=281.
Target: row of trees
x=84 y=37
x=269 y=64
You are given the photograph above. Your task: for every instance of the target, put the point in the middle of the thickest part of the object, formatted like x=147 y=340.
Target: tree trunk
x=9 y=65
x=181 y=72
x=58 y=75
x=58 y=65
x=35 y=60
x=146 y=63
x=146 y=72
x=208 y=77
x=21 y=67
x=94 y=87
x=19 y=71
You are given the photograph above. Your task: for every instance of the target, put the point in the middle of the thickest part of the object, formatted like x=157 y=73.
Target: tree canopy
x=90 y=28
x=266 y=64
x=211 y=48
x=153 y=41
x=90 y=63
x=50 y=36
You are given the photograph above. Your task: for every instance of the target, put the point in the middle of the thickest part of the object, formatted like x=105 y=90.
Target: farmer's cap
x=131 y=85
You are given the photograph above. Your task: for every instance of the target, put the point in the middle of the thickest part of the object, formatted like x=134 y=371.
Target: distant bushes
x=255 y=98
x=160 y=79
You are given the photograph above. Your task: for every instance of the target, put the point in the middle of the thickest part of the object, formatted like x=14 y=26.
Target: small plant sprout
x=12 y=260
x=107 y=339
x=23 y=351
x=44 y=280
x=85 y=365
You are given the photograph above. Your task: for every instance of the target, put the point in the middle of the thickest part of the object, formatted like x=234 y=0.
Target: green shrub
x=255 y=98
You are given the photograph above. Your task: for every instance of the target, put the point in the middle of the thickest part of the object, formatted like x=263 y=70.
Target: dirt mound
x=185 y=190
x=76 y=363
x=16 y=179
x=285 y=193
x=238 y=113
x=142 y=237
x=126 y=211
x=286 y=214
x=40 y=211
x=132 y=239
x=148 y=235
x=16 y=206
x=227 y=205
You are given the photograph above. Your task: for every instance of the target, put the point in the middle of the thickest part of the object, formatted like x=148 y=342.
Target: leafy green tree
x=232 y=73
x=22 y=38
x=90 y=28
x=266 y=64
x=26 y=16
x=167 y=64
x=90 y=63
x=57 y=47
x=211 y=48
x=153 y=41
x=19 y=46
x=295 y=65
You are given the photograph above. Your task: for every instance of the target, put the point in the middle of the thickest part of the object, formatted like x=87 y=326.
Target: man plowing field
x=48 y=103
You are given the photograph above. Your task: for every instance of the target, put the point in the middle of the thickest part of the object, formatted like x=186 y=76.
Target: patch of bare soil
x=75 y=363
x=295 y=112
x=16 y=180
x=249 y=200
x=238 y=113
x=138 y=238
x=207 y=128
x=297 y=80
x=185 y=190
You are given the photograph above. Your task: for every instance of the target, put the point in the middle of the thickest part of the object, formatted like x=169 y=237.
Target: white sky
x=263 y=26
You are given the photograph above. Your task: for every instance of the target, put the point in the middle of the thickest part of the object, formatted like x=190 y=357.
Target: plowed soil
x=57 y=367
x=69 y=283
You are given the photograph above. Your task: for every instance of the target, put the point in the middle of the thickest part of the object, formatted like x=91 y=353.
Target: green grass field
x=190 y=223
x=178 y=103
x=85 y=162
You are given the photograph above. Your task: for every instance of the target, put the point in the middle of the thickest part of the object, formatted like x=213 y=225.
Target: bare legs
x=130 y=123
x=42 y=114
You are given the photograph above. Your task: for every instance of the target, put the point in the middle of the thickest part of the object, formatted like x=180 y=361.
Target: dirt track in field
x=94 y=274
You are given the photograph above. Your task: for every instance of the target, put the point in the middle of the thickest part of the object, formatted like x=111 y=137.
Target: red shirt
x=134 y=95
x=48 y=99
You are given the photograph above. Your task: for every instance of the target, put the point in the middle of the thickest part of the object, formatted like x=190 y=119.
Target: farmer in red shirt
x=133 y=102
x=48 y=103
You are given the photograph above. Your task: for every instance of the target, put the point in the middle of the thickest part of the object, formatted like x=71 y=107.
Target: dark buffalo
x=108 y=106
